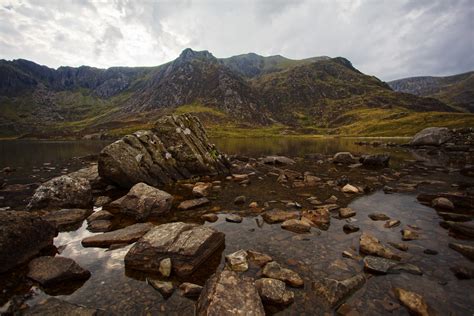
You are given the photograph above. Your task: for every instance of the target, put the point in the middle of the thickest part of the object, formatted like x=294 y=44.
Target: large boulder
x=431 y=136
x=229 y=293
x=62 y=192
x=22 y=236
x=176 y=148
x=187 y=245
x=142 y=201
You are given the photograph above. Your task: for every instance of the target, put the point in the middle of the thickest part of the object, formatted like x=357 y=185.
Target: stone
x=100 y=225
x=190 y=290
x=414 y=302
x=176 y=148
x=274 y=292
x=240 y=200
x=310 y=180
x=379 y=160
x=275 y=271
x=378 y=217
x=350 y=228
x=431 y=136
x=191 y=204
x=229 y=293
x=165 y=267
x=370 y=245
x=187 y=245
x=62 y=192
x=210 y=217
x=379 y=265
x=319 y=218
x=350 y=189
x=278 y=160
x=237 y=261
x=22 y=236
x=346 y=212
x=399 y=246
x=405 y=267
x=455 y=217
x=165 y=288
x=202 y=189
x=100 y=215
x=430 y=252
x=67 y=218
x=464 y=229
x=333 y=292
x=442 y=203
x=56 y=307
x=125 y=235
x=466 y=250
x=296 y=225
x=233 y=218
x=408 y=234
x=278 y=216
x=102 y=201
x=392 y=223
x=463 y=272
x=345 y=158
x=49 y=271
x=141 y=202
x=258 y=258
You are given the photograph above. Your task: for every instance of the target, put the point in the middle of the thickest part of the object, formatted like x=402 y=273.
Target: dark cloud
x=389 y=39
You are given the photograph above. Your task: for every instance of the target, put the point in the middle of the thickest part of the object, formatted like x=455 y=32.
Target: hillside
x=457 y=90
x=241 y=93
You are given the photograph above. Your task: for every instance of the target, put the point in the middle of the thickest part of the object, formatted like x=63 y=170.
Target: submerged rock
x=125 y=235
x=333 y=292
x=431 y=136
x=379 y=265
x=408 y=234
x=414 y=302
x=465 y=229
x=67 y=218
x=466 y=250
x=62 y=192
x=176 y=148
x=278 y=216
x=55 y=307
x=296 y=225
x=370 y=245
x=53 y=270
x=141 y=202
x=275 y=271
x=229 y=293
x=22 y=236
x=274 y=291
x=191 y=204
x=463 y=272
x=350 y=228
x=187 y=245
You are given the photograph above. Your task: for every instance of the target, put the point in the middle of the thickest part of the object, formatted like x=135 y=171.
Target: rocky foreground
x=156 y=193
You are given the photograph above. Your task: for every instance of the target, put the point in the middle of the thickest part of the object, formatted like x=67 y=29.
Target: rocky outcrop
x=187 y=245
x=176 y=148
x=229 y=293
x=125 y=235
x=141 y=202
x=53 y=270
x=55 y=307
x=62 y=192
x=22 y=236
x=431 y=136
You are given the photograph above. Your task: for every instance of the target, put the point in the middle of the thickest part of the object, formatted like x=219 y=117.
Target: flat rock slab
x=67 y=218
x=334 y=292
x=370 y=245
x=125 y=235
x=187 y=245
x=229 y=293
x=55 y=307
x=53 y=270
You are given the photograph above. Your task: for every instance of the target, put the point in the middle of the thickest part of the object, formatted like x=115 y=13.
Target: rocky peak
x=188 y=54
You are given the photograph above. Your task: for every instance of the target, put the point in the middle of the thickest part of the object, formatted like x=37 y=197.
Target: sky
x=390 y=39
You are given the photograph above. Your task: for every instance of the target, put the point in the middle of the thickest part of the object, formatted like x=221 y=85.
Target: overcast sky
x=389 y=39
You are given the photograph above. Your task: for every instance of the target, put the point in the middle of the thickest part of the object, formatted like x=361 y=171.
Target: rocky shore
x=161 y=199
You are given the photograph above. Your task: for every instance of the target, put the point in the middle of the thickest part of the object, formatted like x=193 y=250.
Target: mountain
x=457 y=90
x=314 y=95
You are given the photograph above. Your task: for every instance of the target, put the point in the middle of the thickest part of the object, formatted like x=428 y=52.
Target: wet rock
x=100 y=215
x=350 y=189
x=55 y=307
x=351 y=255
x=466 y=250
x=240 y=200
x=431 y=136
x=408 y=234
x=310 y=180
x=463 y=272
x=53 y=270
x=66 y=218
x=258 y=258
x=345 y=158
x=350 y=228
x=278 y=216
x=399 y=246
x=405 y=267
x=378 y=265
x=142 y=201
x=165 y=267
x=22 y=236
x=190 y=290
x=465 y=229
x=176 y=148
x=202 y=189
x=102 y=200
x=333 y=292
x=275 y=271
x=319 y=217
x=233 y=218
x=125 y=235
x=442 y=203
x=228 y=293
x=414 y=302
x=100 y=225
x=237 y=261
x=165 y=288
x=187 y=245
x=296 y=225
x=191 y=204
x=392 y=223
x=210 y=217
x=430 y=252
x=380 y=160
x=370 y=245
x=455 y=217
x=278 y=160
x=378 y=217
x=274 y=291
x=62 y=192
x=346 y=212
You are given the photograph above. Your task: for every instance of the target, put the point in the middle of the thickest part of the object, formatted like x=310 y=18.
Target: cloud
x=388 y=39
